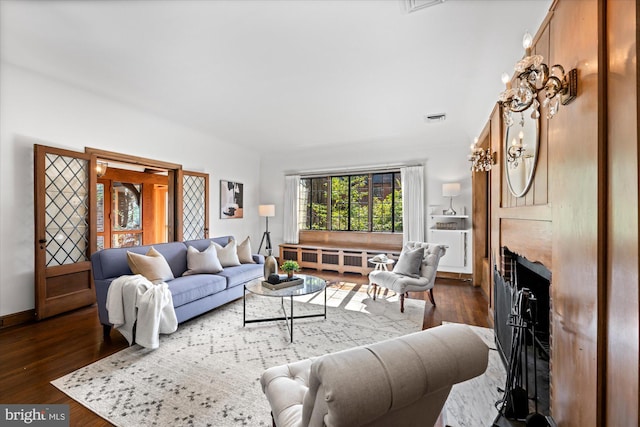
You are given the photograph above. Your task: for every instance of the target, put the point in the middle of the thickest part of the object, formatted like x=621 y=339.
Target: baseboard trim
x=463 y=277
x=17 y=318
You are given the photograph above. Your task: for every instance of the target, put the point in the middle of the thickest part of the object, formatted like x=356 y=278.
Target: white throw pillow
x=153 y=266
x=205 y=262
x=410 y=262
x=244 y=252
x=228 y=255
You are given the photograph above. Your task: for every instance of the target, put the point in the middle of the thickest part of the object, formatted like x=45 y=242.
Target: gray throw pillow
x=205 y=262
x=409 y=262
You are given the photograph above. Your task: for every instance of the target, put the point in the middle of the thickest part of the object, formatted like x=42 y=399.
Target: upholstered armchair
x=401 y=382
x=415 y=271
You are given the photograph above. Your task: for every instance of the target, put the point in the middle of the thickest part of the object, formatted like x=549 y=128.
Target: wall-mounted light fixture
x=534 y=76
x=101 y=169
x=515 y=150
x=482 y=160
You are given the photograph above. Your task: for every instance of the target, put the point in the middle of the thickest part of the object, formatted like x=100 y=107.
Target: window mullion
x=370 y=210
x=329 y=202
x=393 y=204
x=349 y=203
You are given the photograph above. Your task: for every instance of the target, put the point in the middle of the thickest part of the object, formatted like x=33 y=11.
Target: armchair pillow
x=152 y=266
x=205 y=262
x=409 y=262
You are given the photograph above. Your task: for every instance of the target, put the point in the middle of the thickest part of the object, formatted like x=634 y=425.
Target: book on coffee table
x=284 y=283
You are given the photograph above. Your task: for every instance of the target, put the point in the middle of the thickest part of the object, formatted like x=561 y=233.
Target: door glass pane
x=66 y=209
x=126 y=212
x=100 y=210
x=193 y=207
x=125 y=240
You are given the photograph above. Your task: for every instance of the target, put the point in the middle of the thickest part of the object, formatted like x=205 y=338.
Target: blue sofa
x=192 y=295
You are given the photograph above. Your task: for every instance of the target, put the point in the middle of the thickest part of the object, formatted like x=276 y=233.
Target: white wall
x=442 y=163
x=36 y=109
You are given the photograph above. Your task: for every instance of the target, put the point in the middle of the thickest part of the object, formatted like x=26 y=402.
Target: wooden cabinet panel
x=622 y=321
x=574 y=154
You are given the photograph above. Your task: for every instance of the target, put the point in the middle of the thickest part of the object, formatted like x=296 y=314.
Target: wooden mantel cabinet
x=580 y=217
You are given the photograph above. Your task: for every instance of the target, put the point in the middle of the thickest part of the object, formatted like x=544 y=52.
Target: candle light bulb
x=521 y=136
x=505 y=78
x=527 y=40
x=514 y=142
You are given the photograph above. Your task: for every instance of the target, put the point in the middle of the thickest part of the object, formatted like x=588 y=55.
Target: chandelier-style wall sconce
x=482 y=160
x=517 y=147
x=515 y=150
x=534 y=76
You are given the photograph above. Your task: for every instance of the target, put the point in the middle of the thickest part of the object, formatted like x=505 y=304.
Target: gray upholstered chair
x=401 y=382
x=421 y=278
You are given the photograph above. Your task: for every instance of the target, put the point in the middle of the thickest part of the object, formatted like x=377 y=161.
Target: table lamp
x=450 y=190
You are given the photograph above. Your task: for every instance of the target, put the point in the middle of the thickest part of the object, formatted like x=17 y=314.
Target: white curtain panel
x=291 y=189
x=412 y=203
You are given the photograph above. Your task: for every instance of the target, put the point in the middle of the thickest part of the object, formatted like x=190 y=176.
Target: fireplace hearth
x=521 y=278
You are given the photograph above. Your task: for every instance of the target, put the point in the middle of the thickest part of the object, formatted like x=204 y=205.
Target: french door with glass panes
x=64 y=208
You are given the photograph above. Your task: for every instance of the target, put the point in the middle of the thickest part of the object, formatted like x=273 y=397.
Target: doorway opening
x=132 y=206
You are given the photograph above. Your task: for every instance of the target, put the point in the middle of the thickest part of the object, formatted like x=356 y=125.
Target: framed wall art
x=231 y=194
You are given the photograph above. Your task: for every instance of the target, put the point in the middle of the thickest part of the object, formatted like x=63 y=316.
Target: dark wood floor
x=33 y=355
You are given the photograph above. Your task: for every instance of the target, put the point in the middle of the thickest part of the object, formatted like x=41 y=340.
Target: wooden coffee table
x=311 y=285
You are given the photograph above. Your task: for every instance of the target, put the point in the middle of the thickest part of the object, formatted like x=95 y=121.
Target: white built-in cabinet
x=454 y=231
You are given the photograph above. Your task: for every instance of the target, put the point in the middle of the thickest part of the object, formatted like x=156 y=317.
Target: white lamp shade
x=451 y=189
x=267 y=210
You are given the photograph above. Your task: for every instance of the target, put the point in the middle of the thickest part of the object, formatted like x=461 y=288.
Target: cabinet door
x=455 y=256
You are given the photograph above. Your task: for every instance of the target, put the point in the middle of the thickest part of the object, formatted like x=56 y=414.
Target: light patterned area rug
x=472 y=403
x=207 y=373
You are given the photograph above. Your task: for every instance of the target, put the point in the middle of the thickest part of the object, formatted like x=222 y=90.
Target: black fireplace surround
x=519 y=273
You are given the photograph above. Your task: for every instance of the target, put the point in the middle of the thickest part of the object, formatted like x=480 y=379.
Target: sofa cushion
x=228 y=255
x=205 y=262
x=244 y=252
x=242 y=273
x=190 y=288
x=152 y=266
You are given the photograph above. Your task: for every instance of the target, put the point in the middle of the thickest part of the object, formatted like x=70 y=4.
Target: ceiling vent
x=433 y=118
x=415 y=5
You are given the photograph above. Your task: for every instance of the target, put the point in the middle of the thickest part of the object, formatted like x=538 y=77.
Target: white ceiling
x=276 y=73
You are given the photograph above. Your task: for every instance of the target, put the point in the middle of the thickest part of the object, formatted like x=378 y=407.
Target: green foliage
x=290 y=265
x=350 y=202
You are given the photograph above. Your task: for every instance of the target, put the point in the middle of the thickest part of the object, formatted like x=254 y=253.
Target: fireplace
x=516 y=274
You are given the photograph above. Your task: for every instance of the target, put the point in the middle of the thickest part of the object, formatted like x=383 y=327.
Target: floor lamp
x=266 y=211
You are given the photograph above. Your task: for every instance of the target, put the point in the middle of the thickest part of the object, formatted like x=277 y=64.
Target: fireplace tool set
x=515 y=403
